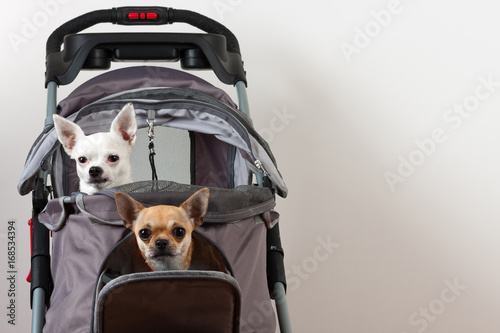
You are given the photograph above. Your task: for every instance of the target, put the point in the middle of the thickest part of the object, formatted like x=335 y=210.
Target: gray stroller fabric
x=131 y=78
x=88 y=226
x=225 y=138
x=225 y=206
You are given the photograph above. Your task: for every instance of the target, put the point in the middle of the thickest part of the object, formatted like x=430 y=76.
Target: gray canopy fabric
x=179 y=100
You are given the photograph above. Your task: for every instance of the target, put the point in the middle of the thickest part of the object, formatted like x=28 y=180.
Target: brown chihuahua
x=163 y=232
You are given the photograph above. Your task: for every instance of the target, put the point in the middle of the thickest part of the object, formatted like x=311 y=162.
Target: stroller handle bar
x=140 y=16
x=217 y=49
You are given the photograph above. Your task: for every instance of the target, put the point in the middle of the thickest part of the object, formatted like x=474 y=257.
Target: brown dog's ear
x=196 y=206
x=128 y=209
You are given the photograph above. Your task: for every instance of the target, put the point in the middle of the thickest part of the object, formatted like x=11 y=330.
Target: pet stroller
x=90 y=281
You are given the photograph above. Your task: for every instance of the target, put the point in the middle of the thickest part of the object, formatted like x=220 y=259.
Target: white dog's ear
x=128 y=209
x=196 y=206
x=68 y=132
x=125 y=124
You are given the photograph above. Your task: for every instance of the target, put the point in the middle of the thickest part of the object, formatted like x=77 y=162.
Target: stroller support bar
x=275 y=256
x=242 y=97
x=40 y=256
x=37 y=317
x=282 y=308
x=51 y=102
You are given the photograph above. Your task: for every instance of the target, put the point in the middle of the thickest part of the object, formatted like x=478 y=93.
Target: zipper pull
x=259 y=166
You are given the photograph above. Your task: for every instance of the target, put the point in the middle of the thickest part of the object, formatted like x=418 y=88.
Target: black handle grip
x=78 y=24
x=140 y=16
x=275 y=255
x=40 y=256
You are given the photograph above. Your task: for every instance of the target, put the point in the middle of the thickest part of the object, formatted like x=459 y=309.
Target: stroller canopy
x=178 y=100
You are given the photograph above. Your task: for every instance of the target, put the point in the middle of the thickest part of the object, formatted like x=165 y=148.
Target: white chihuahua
x=103 y=159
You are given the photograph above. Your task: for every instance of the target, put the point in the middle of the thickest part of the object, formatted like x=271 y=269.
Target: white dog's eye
x=179 y=232
x=82 y=159
x=113 y=158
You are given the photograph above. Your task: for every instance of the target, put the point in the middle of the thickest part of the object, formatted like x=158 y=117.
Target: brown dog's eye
x=144 y=234
x=113 y=158
x=179 y=232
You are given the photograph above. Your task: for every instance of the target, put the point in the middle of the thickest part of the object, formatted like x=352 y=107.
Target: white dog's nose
x=95 y=172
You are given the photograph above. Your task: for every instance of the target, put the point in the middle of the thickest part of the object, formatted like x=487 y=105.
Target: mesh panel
x=172 y=159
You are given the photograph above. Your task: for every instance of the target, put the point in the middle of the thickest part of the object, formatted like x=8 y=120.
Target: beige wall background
x=384 y=118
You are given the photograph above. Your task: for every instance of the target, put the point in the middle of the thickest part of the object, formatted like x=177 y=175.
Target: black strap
x=152 y=154
x=151 y=146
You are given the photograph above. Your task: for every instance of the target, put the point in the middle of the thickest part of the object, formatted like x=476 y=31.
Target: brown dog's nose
x=161 y=244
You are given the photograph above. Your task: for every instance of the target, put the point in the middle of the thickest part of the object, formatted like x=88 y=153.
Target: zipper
x=260 y=166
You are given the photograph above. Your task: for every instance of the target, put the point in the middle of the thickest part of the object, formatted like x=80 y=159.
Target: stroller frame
x=217 y=50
